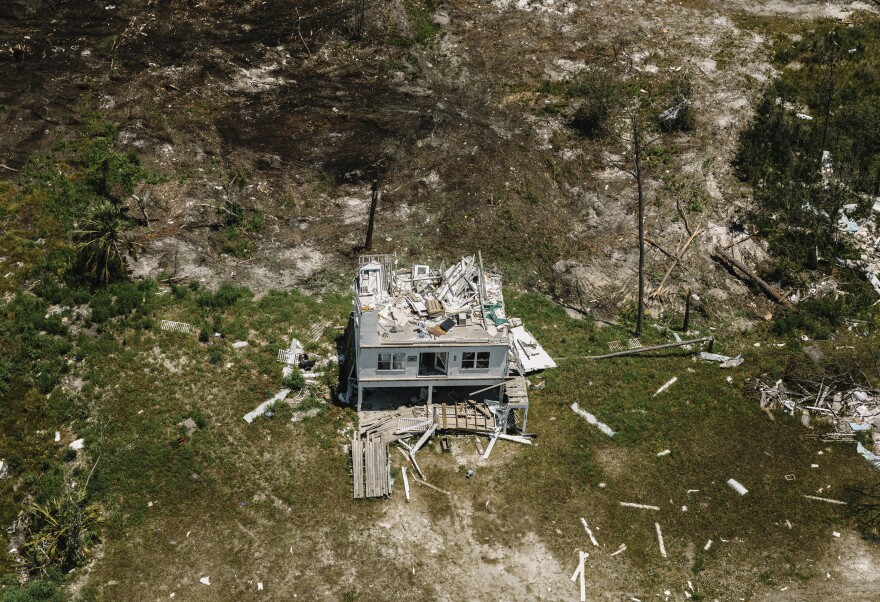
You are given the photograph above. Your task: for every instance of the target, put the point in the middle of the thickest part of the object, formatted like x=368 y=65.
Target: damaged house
x=432 y=350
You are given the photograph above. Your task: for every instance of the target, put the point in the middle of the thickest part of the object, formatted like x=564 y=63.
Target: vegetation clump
x=811 y=155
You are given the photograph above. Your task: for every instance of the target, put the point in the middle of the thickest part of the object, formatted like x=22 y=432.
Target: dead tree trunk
x=374 y=202
x=637 y=159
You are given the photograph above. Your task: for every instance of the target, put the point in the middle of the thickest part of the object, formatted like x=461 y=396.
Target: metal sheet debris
x=737 y=486
x=592 y=420
x=531 y=355
x=868 y=455
x=725 y=360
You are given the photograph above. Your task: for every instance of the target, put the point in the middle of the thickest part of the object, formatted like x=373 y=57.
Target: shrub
x=226 y=296
x=61 y=532
x=294 y=381
x=102 y=243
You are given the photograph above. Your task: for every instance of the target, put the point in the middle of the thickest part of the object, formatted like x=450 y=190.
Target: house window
x=392 y=361
x=474 y=360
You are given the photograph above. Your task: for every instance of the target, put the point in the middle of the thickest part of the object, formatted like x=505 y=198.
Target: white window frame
x=396 y=361
x=480 y=360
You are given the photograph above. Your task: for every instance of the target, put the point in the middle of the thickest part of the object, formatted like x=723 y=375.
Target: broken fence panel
x=178 y=327
x=593 y=420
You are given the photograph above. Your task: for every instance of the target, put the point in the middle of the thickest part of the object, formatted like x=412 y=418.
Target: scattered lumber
x=589 y=532
x=675 y=261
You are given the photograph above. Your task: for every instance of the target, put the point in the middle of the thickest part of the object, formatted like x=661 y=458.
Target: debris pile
x=864 y=235
x=850 y=410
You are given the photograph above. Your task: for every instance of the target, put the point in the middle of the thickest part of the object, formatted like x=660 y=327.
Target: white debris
x=668 y=383
x=835 y=533
x=619 y=550
x=205 y=581
x=589 y=532
x=593 y=420
x=707 y=546
x=725 y=360
x=665 y=452
x=259 y=586
x=660 y=540
x=4 y=469
x=77 y=444
x=239 y=344
x=868 y=455
x=640 y=506
x=261 y=409
x=531 y=355
x=57 y=436
x=737 y=486
x=803 y=116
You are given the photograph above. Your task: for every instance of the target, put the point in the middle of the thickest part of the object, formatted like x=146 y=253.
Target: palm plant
x=62 y=532
x=102 y=243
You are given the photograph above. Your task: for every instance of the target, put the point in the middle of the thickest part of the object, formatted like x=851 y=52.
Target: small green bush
x=294 y=381
x=226 y=296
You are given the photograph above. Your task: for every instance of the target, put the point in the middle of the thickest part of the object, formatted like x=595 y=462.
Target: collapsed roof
x=422 y=305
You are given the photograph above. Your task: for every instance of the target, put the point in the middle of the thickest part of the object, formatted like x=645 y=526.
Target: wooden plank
x=424 y=438
x=357 y=468
x=489 y=448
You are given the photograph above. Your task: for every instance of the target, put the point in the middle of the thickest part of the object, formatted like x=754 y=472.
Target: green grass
x=715 y=430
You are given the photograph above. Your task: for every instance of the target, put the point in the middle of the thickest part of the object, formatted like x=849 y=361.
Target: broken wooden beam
x=422 y=440
x=405 y=482
x=640 y=506
x=770 y=291
x=675 y=262
x=825 y=499
x=660 y=540
x=429 y=486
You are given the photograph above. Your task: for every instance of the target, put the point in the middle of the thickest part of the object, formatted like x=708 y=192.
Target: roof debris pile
x=865 y=237
x=462 y=303
x=850 y=410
